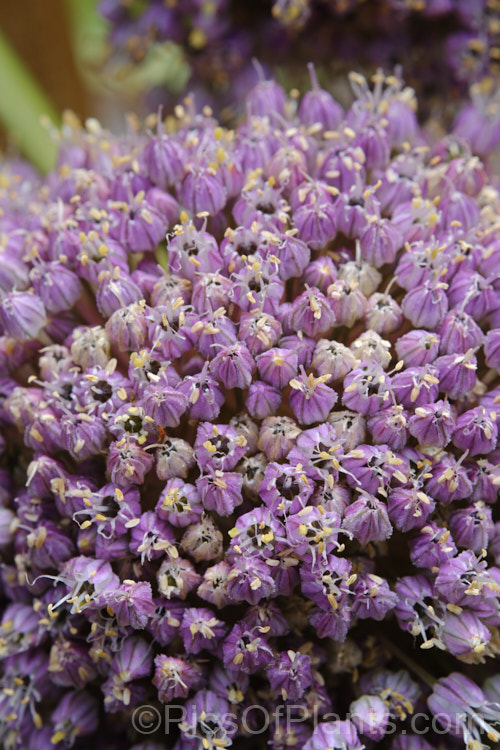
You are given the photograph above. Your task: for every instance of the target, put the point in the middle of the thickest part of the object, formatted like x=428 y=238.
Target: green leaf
x=23 y=109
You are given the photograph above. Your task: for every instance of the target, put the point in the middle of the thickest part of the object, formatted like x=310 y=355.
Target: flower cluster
x=260 y=470
x=444 y=45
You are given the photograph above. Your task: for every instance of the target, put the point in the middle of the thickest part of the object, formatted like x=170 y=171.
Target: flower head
x=245 y=474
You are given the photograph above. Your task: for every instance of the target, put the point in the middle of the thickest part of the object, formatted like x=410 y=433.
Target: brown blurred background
x=39 y=32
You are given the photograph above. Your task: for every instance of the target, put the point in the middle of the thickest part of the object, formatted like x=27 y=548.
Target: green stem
x=23 y=107
x=161 y=255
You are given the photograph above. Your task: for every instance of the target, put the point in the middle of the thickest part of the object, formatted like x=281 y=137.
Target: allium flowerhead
x=259 y=473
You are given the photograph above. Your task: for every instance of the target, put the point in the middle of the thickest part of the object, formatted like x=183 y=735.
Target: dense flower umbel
x=238 y=476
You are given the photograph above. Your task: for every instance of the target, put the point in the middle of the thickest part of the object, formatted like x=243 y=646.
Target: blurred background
x=38 y=42
x=53 y=57
x=105 y=58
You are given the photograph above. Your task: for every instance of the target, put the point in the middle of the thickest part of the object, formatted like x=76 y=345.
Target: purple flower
x=448 y=480
x=370 y=716
x=432 y=546
x=326 y=581
x=320 y=273
x=173 y=677
x=277 y=366
x=459 y=333
x=432 y=424
x=277 y=437
x=416 y=386
x=460 y=704
x=140 y=224
x=425 y=306
x=318 y=106
x=246 y=650
x=200 y=630
x=316 y=222
x=164 y=404
x=290 y=675
x=165 y=622
x=389 y=426
x=75 y=716
x=341 y=735
x=285 y=488
x=313 y=530
x=476 y=431
x=311 y=313
x=310 y=398
x=250 y=580
x=204 y=395
x=151 y=537
x=367 y=520
x=457 y=373
x=472 y=526
x=372 y=597
x=398 y=690
x=409 y=508
x=221 y=491
x=191 y=251
x=129 y=665
x=176 y=578
x=218 y=447
x=164 y=160
x=131 y=603
x=207 y=721
x=461 y=577
x=179 y=503
x=233 y=366
x=492 y=348
x=22 y=315
x=418 y=347
x=364 y=388
x=262 y=400
x=57 y=287
x=255 y=534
